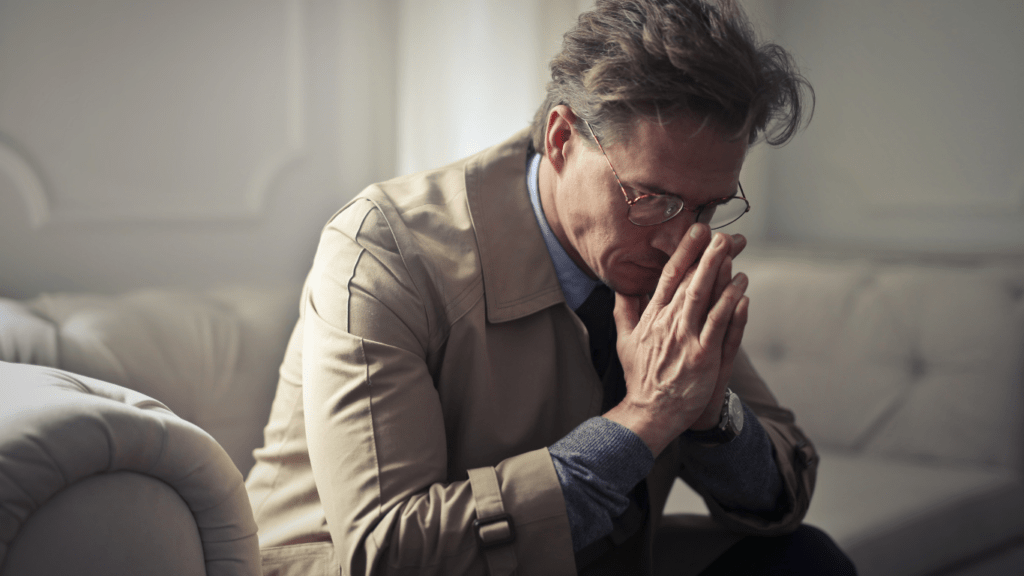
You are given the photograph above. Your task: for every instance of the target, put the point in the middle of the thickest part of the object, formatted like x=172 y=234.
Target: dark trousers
x=807 y=551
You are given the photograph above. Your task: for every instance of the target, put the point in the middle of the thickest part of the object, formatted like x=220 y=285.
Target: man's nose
x=667 y=235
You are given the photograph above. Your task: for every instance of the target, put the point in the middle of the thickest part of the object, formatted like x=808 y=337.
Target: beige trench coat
x=434 y=339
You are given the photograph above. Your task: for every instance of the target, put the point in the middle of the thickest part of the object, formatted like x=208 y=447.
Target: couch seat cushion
x=898 y=517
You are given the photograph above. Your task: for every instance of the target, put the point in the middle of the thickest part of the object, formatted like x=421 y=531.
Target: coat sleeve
x=794 y=455
x=376 y=431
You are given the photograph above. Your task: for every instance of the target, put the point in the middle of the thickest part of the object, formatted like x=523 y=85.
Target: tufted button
x=775 y=351
x=1016 y=291
x=916 y=366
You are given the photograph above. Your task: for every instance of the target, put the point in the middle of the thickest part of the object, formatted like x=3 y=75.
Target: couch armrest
x=58 y=430
x=110 y=523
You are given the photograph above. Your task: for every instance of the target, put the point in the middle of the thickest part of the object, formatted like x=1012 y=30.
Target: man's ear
x=561 y=121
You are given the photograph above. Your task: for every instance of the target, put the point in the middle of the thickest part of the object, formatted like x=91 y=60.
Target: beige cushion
x=956 y=338
x=25 y=337
x=909 y=360
x=797 y=338
x=211 y=357
x=58 y=428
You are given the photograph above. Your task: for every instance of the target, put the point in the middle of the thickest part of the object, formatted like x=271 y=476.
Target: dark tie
x=596 y=314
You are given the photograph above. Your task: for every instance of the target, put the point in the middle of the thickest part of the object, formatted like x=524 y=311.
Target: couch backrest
x=211 y=357
x=903 y=359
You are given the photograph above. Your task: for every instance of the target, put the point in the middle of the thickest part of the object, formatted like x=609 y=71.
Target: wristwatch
x=729 y=425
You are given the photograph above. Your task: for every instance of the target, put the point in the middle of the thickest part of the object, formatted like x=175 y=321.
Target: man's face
x=589 y=215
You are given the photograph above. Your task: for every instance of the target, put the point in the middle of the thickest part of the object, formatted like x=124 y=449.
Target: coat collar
x=519 y=277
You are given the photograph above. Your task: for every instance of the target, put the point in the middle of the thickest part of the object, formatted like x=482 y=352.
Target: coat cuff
x=531 y=497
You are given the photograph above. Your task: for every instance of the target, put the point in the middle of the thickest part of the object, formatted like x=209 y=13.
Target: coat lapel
x=519 y=277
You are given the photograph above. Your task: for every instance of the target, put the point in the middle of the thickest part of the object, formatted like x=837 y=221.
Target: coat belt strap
x=494 y=528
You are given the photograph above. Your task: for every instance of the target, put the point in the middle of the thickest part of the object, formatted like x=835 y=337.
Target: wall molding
x=42 y=210
x=27 y=184
x=264 y=176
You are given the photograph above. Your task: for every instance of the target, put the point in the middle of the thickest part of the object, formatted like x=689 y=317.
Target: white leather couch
x=905 y=373
x=101 y=478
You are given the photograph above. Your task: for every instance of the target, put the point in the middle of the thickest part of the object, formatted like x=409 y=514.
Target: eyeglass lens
x=652 y=210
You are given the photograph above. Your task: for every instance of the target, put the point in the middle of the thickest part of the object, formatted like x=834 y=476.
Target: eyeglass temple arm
x=606 y=159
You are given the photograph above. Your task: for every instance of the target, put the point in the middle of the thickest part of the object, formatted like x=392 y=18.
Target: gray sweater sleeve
x=600 y=461
x=740 y=474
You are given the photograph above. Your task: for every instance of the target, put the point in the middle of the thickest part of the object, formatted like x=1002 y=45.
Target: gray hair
x=661 y=59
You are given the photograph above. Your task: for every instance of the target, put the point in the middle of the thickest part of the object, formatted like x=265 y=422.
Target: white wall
x=916 y=140
x=472 y=72
x=184 y=143
x=190 y=143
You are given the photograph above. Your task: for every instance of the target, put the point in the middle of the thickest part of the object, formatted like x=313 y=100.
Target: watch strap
x=720 y=434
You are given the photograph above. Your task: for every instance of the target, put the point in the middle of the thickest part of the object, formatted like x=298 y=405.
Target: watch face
x=735 y=412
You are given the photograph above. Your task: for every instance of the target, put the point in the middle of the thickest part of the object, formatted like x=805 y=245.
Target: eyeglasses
x=652 y=209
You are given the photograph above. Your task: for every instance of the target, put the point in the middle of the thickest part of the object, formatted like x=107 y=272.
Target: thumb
x=627 y=314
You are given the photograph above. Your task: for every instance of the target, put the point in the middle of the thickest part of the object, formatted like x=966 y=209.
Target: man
x=456 y=397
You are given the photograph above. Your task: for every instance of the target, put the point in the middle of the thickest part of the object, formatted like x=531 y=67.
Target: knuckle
x=672 y=271
x=717 y=316
x=662 y=327
x=740 y=321
x=700 y=357
x=692 y=292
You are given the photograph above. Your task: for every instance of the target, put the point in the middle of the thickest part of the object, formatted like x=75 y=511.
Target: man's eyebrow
x=652 y=188
x=655 y=189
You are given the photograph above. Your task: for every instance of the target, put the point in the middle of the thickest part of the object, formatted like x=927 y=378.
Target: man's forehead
x=682 y=144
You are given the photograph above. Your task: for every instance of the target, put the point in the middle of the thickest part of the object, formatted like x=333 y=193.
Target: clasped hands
x=677 y=349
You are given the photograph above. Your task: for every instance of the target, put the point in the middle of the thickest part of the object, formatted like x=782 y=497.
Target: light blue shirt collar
x=575 y=283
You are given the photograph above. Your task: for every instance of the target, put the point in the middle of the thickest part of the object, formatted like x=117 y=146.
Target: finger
x=720 y=316
x=730 y=348
x=675 y=270
x=734 y=334
x=739 y=242
x=723 y=279
x=626 y=314
x=695 y=299
x=645 y=299
x=688 y=276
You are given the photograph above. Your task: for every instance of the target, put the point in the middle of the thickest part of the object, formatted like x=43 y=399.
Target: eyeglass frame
x=682 y=203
